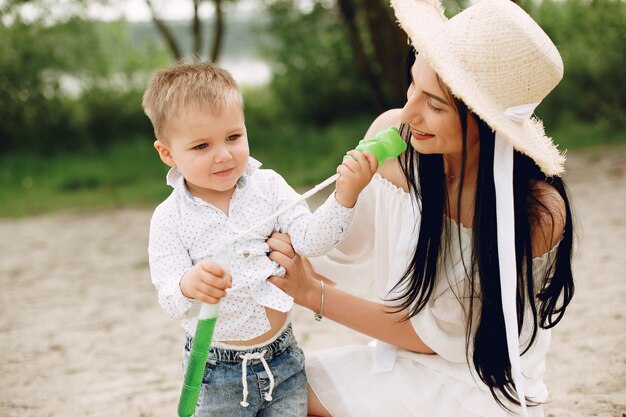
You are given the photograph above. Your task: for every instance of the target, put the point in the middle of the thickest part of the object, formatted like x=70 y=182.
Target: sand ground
x=81 y=333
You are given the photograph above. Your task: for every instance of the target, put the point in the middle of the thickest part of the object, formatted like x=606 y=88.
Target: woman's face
x=432 y=116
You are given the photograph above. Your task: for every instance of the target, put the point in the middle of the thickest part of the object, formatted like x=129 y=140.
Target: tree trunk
x=196 y=29
x=218 y=31
x=390 y=46
x=167 y=35
x=348 y=12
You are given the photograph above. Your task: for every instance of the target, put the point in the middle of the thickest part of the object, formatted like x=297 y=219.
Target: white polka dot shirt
x=186 y=230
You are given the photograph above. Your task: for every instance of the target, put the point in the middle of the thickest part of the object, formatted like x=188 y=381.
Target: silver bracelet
x=318 y=316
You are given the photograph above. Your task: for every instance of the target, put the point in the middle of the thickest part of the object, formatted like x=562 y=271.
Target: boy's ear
x=164 y=153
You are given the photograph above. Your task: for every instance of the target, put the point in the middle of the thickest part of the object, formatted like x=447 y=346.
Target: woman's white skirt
x=343 y=381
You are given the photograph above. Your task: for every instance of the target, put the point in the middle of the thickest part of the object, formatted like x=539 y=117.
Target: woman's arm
x=373 y=319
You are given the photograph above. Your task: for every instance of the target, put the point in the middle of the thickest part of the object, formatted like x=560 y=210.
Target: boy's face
x=210 y=151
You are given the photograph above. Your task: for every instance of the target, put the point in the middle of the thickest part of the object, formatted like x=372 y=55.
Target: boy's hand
x=206 y=282
x=354 y=174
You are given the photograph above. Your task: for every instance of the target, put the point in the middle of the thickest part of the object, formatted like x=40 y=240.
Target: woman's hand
x=364 y=316
x=300 y=281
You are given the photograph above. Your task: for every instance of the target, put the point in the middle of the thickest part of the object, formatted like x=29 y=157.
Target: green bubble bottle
x=387 y=144
x=201 y=344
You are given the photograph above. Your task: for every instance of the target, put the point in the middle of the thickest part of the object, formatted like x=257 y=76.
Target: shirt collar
x=175 y=179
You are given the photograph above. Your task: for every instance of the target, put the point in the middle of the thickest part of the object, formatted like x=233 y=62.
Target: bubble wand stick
x=387 y=144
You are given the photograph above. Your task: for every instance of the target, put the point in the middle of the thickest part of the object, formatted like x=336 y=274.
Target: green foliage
x=316 y=79
x=28 y=97
x=113 y=114
x=314 y=75
x=240 y=36
x=590 y=36
x=128 y=174
x=305 y=154
x=572 y=133
x=72 y=132
x=69 y=86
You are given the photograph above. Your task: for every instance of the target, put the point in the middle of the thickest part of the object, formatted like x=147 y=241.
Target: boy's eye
x=232 y=138
x=201 y=146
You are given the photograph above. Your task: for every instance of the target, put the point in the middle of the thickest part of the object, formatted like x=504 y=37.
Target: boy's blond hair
x=186 y=87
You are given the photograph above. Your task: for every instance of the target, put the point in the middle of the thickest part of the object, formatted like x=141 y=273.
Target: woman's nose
x=411 y=109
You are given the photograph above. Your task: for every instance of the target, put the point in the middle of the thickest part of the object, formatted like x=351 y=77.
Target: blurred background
x=314 y=73
x=81 y=332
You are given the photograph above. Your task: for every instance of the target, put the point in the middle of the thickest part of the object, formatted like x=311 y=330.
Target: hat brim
x=425 y=24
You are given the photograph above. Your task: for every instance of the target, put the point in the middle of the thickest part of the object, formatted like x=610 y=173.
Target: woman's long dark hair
x=426 y=179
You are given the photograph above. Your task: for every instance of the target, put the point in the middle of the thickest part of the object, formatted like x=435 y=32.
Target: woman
x=461 y=242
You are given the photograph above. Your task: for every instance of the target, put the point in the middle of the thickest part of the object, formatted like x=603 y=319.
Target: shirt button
x=246 y=253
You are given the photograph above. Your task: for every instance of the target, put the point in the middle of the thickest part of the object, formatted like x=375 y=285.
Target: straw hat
x=497 y=60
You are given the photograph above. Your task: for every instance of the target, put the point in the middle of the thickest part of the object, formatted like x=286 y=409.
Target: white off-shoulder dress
x=367 y=263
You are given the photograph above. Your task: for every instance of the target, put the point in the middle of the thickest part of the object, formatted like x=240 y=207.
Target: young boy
x=219 y=191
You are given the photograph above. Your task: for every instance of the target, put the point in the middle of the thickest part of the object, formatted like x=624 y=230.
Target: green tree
x=350 y=53
x=590 y=36
x=69 y=84
x=195 y=29
x=315 y=78
x=378 y=46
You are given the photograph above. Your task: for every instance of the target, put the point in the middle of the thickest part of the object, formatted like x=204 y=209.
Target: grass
x=572 y=134
x=131 y=174
x=126 y=175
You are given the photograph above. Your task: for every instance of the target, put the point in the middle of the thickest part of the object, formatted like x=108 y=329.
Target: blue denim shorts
x=275 y=386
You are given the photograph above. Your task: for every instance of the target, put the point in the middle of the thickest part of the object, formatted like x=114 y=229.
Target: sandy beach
x=81 y=333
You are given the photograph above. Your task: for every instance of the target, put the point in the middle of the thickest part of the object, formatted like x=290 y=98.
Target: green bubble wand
x=387 y=144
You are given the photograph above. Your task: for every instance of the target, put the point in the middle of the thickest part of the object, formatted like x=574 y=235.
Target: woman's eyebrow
x=435 y=97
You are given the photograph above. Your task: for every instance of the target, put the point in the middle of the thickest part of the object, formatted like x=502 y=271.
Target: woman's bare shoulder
x=390 y=170
x=548 y=217
x=383 y=121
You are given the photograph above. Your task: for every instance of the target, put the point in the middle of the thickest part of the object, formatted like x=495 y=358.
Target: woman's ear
x=164 y=153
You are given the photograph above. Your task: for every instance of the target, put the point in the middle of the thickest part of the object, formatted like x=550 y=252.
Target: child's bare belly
x=276 y=319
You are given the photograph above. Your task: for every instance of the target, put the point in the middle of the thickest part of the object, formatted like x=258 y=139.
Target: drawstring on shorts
x=244 y=374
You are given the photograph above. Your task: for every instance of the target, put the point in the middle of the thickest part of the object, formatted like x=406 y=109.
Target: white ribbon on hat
x=520 y=113
x=505 y=215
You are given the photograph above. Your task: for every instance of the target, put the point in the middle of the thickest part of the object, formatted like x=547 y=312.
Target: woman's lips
x=419 y=135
